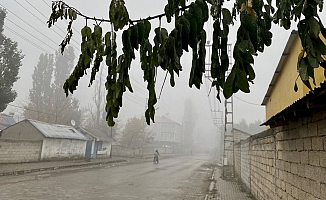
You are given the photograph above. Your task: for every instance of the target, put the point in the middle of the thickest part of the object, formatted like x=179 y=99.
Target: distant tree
x=134 y=134
x=47 y=102
x=10 y=62
x=251 y=128
x=242 y=125
x=256 y=127
x=40 y=96
x=189 y=123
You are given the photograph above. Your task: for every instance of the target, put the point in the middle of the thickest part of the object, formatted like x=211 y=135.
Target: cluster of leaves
x=311 y=31
x=256 y=17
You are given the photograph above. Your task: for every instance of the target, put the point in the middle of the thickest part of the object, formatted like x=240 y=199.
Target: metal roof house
x=58 y=141
x=101 y=142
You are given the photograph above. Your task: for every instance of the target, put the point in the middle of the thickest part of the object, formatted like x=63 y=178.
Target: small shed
x=58 y=141
x=101 y=142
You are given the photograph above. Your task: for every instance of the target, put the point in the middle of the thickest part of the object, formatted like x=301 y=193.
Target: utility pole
x=228 y=136
x=217 y=115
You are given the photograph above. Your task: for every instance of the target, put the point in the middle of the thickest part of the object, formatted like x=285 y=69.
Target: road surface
x=174 y=178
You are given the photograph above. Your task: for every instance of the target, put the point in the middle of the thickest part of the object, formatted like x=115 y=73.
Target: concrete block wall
x=237 y=157
x=17 y=151
x=301 y=159
x=287 y=162
x=262 y=157
x=245 y=162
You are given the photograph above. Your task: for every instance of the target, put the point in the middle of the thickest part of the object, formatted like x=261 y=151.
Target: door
x=95 y=149
x=88 y=149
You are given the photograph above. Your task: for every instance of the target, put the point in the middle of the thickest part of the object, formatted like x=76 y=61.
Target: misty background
x=26 y=24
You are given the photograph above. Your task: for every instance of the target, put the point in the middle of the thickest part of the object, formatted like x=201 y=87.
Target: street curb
x=27 y=171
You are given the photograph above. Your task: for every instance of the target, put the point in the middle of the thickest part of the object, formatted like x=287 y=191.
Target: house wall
x=22 y=131
x=287 y=162
x=283 y=93
x=240 y=136
x=17 y=151
x=56 y=149
x=106 y=148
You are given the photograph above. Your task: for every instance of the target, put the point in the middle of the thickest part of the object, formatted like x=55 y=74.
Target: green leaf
x=147 y=29
x=314 y=27
x=250 y=23
x=295 y=87
x=118 y=14
x=302 y=30
x=227 y=18
x=193 y=30
x=228 y=86
x=141 y=32
x=312 y=61
x=319 y=45
x=134 y=37
x=168 y=13
x=303 y=70
x=241 y=81
x=204 y=8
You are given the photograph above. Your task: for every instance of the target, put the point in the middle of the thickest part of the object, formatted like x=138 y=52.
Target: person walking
x=156 y=154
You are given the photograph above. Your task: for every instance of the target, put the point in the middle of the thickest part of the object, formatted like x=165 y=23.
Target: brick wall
x=16 y=151
x=287 y=162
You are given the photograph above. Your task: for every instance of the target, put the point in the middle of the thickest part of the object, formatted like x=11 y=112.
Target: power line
x=29 y=25
x=41 y=20
x=248 y=102
x=31 y=34
x=27 y=40
x=65 y=20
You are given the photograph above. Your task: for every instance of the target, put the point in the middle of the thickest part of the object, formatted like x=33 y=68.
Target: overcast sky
x=25 y=23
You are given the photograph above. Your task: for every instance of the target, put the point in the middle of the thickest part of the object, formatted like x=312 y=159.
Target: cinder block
x=307 y=144
x=314 y=158
x=322 y=159
x=312 y=129
x=304 y=157
x=321 y=128
x=303 y=131
x=323 y=190
x=294 y=168
x=317 y=143
x=292 y=145
x=299 y=144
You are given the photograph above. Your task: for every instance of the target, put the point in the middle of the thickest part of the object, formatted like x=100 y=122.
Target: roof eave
x=280 y=65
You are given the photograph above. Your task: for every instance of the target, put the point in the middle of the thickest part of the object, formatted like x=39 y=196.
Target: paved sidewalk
x=229 y=189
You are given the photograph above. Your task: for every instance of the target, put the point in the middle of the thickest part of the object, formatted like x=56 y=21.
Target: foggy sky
x=246 y=106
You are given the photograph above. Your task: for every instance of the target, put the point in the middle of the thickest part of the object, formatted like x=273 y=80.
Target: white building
x=58 y=141
x=167 y=135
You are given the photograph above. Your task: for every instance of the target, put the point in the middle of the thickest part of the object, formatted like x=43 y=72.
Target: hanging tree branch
x=253 y=35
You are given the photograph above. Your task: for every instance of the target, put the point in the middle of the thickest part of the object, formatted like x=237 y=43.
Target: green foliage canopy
x=10 y=62
x=253 y=35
